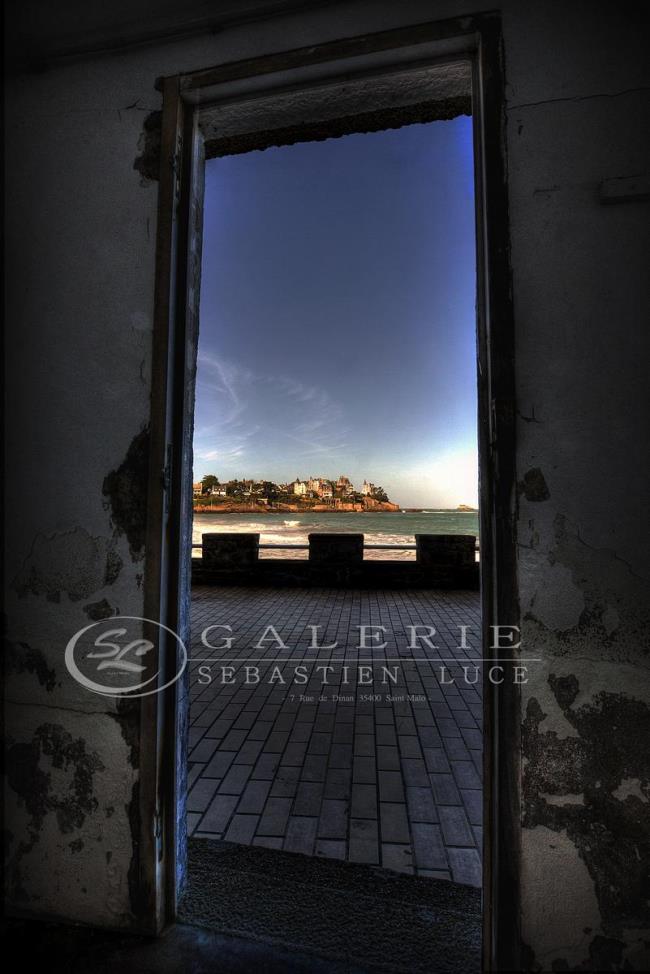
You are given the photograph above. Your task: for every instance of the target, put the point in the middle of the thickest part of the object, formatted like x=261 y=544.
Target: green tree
x=208 y=482
x=270 y=490
x=235 y=488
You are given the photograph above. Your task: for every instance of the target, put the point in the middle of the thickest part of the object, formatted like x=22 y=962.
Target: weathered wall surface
x=576 y=94
x=80 y=307
x=82 y=223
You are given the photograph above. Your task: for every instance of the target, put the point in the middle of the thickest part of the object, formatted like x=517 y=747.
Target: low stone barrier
x=442 y=561
x=434 y=550
x=230 y=552
x=335 y=559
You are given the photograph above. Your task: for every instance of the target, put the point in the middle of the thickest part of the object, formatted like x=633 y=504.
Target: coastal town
x=316 y=494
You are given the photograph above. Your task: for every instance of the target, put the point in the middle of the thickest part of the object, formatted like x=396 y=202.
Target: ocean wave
x=271 y=537
x=382 y=528
x=389 y=538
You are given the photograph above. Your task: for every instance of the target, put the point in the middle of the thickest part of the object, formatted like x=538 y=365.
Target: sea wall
x=442 y=562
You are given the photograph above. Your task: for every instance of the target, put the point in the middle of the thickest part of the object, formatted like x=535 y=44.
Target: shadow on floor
x=57 y=948
x=254 y=909
x=365 y=917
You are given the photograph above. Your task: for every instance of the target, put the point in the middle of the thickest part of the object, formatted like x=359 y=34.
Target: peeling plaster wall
x=577 y=92
x=81 y=271
x=82 y=222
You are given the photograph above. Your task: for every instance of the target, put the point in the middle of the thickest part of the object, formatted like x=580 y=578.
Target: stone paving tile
x=331 y=849
x=275 y=817
x=394 y=822
x=285 y=783
x=218 y=766
x=204 y=719
x=465 y=866
x=194 y=771
x=201 y=794
x=473 y=802
x=301 y=835
x=203 y=751
x=249 y=752
x=364 y=801
x=465 y=774
x=455 y=827
x=266 y=766
x=333 y=820
x=254 y=797
x=314 y=767
x=309 y=797
x=436 y=761
x=477 y=758
x=233 y=740
x=410 y=747
x=444 y=789
x=391 y=786
x=386 y=736
x=414 y=772
x=472 y=737
x=268 y=841
x=235 y=780
x=386 y=775
x=338 y=783
x=219 y=813
x=398 y=857
x=364 y=745
x=421 y=806
x=364 y=770
x=428 y=846
x=387 y=758
x=218 y=729
x=363 y=845
x=242 y=829
x=193 y=819
x=260 y=730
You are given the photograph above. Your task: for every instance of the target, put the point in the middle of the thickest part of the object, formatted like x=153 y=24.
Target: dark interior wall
x=81 y=215
x=578 y=87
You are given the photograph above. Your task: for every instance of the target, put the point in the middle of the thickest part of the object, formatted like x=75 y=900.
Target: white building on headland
x=344 y=485
x=325 y=489
x=320 y=487
x=367 y=489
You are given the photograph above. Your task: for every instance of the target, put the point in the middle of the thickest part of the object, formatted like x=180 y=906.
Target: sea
x=398 y=528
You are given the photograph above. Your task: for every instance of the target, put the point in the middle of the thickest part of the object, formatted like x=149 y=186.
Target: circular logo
x=120 y=657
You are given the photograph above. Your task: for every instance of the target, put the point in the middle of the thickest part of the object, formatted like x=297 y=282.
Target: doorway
x=497 y=600
x=337 y=334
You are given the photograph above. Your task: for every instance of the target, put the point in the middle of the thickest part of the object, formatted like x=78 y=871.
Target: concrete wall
x=577 y=95
x=82 y=223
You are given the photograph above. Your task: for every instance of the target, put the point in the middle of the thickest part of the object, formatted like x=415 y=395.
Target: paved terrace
x=388 y=774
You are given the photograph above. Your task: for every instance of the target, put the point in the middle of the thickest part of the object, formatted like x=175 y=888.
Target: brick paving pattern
x=387 y=774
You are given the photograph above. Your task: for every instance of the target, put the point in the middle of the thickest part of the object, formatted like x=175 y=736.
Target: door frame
x=167 y=575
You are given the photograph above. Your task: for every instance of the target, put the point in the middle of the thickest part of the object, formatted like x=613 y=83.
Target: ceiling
x=40 y=32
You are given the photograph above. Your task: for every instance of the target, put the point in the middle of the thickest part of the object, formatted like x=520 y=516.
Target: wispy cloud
x=244 y=417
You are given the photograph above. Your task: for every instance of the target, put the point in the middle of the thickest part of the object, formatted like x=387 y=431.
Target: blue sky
x=337 y=326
